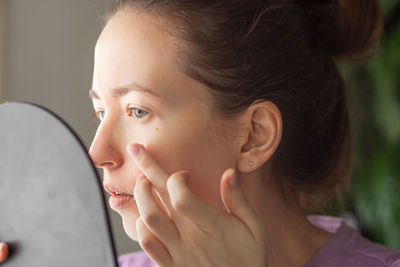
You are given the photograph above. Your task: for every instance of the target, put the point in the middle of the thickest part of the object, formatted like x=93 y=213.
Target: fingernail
x=233 y=179
x=134 y=149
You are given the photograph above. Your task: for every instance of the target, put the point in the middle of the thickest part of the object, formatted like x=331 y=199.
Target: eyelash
x=131 y=110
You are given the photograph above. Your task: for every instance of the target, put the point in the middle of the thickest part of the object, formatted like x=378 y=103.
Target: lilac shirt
x=345 y=248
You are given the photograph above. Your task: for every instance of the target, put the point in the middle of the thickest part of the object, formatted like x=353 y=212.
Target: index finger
x=151 y=169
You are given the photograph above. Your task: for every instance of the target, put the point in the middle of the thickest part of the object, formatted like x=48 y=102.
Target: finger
x=152 y=215
x=3 y=252
x=152 y=246
x=151 y=169
x=188 y=204
x=236 y=203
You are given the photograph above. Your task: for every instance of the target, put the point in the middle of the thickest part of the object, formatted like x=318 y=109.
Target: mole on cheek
x=156 y=129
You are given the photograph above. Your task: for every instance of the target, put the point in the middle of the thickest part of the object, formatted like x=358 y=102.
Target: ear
x=262 y=123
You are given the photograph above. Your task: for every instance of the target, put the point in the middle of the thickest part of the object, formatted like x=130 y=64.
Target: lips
x=119 y=199
x=114 y=191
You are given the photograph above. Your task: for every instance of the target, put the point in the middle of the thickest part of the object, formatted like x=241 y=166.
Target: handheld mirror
x=52 y=209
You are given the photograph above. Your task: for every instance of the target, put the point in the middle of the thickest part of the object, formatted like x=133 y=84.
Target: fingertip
x=185 y=176
x=179 y=178
x=229 y=172
x=133 y=149
x=3 y=251
x=140 y=177
x=229 y=179
x=233 y=180
x=3 y=246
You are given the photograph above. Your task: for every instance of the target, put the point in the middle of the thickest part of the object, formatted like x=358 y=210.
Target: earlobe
x=263 y=134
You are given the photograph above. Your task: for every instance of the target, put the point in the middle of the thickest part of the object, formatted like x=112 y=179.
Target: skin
x=178 y=125
x=192 y=182
x=3 y=252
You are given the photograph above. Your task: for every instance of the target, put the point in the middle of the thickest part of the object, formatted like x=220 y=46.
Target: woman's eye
x=99 y=114
x=139 y=113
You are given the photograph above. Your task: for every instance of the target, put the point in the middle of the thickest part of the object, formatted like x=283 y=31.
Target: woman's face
x=142 y=97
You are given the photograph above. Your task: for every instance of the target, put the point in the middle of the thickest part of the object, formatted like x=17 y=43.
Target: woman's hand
x=186 y=232
x=3 y=252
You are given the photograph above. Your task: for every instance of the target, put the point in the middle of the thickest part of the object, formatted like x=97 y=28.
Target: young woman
x=223 y=126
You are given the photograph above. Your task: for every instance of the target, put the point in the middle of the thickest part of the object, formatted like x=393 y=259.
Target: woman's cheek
x=168 y=154
x=177 y=154
x=165 y=145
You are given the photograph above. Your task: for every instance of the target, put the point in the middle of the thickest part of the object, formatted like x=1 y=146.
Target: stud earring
x=251 y=164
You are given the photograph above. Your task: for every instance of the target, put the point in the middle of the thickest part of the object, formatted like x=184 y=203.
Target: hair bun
x=313 y=2
x=348 y=28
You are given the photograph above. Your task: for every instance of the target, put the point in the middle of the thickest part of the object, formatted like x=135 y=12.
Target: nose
x=105 y=150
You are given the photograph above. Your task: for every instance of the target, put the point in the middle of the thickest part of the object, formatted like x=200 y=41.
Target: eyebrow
x=122 y=91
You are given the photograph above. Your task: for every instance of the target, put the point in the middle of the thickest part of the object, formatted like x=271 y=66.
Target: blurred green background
x=374 y=101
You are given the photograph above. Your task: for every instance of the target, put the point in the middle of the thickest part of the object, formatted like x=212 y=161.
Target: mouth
x=118 y=199
x=114 y=191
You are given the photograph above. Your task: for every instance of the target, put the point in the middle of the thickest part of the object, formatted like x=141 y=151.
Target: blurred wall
x=3 y=28
x=49 y=61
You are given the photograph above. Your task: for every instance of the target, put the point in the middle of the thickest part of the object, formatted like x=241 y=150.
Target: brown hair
x=283 y=51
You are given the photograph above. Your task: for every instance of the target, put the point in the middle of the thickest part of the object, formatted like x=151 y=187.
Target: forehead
x=129 y=29
x=132 y=48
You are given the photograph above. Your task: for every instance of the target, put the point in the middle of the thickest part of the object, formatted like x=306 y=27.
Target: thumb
x=3 y=252
x=236 y=203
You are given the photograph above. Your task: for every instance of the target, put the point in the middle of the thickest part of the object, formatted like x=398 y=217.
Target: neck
x=294 y=240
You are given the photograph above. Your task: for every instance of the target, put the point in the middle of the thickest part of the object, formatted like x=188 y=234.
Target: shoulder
x=347 y=247
x=137 y=259
x=369 y=251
